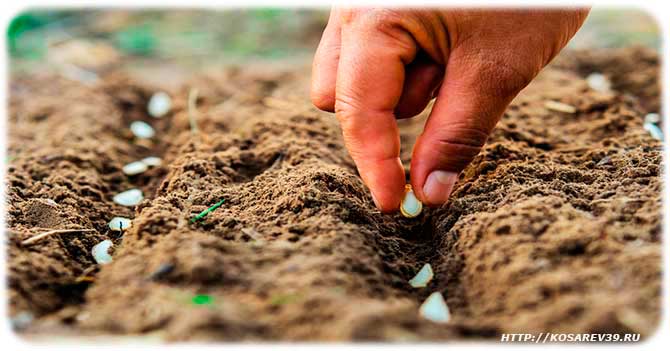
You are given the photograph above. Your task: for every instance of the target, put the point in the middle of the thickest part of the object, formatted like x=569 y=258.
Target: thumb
x=473 y=96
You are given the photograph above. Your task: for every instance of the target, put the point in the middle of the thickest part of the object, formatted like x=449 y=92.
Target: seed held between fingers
x=410 y=206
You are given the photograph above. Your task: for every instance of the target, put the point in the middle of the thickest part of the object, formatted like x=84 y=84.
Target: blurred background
x=86 y=41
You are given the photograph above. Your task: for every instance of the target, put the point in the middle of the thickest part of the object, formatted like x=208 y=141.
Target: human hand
x=375 y=65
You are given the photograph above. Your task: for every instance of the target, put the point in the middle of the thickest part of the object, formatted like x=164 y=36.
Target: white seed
x=422 y=278
x=134 y=168
x=100 y=253
x=22 y=320
x=652 y=118
x=410 y=206
x=120 y=224
x=559 y=106
x=152 y=161
x=51 y=202
x=142 y=130
x=130 y=197
x=435 y=309
x=654 y=130
x=598 y=82
x=159 y=104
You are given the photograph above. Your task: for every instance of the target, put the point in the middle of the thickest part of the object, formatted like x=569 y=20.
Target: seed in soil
x=142 y=130
x=598 y=82
x=205 y=212
x=560 y=106
x=135 y=168
x=422 y=278
x=120 y=224
x=130 y=197
x=652 y=118
x=152 y=161
x=410 y=206
x=159 y=104
x=654 y=130
x=100 y=252
x=202 y=300
x=435 y=309
x=22 y=320
x=51 y=202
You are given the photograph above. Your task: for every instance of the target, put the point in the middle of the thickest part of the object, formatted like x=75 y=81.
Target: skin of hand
x=375 y=65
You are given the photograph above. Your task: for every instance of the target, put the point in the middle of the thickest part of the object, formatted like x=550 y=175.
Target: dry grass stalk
x=41 y=236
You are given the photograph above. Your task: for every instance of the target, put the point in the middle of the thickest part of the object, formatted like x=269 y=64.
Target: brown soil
x=554 y=227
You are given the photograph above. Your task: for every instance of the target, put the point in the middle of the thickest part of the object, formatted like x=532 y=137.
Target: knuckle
x=350 y=15
x=344 y=109
x=457 y=146
x=465 y=136
x=391 y=24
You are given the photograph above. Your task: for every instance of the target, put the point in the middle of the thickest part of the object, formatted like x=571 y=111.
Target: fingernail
x=438 y=186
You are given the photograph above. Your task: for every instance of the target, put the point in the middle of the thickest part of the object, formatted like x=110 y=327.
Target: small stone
x=422 y=278
x=560 y=107
x=654 y=118
x=604 y=161
x=83 y=316
x=130 y=197
x=120 y=224
x=598 y=82
x=142 y=130
x=100 y=252
x=159 y=104
x=163 y=270
x=135 y=168
x=152 y=161
x=435 y=309
x=410 y=206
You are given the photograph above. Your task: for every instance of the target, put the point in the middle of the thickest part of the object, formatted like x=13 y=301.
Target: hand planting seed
x=410 y=206
x=100 y=252
x=135 y=168
x=422 y=278
x=560 y=107
x=130 y=197
x=142 y=130
x=159 y=104
x=120 y=224
x=435 y=309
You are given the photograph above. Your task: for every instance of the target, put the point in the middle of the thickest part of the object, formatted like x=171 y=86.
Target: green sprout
x=207 y=211
x=202 y=300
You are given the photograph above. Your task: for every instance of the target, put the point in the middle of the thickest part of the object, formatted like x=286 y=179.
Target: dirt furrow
x=554 y=227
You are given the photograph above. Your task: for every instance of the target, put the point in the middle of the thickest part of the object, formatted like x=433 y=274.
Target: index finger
x=369 y=84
